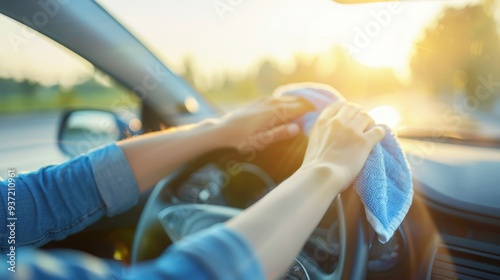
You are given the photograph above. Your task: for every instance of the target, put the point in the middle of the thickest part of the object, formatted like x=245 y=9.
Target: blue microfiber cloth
x=384 y=184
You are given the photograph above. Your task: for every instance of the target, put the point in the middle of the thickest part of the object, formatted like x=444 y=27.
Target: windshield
x=419 y=65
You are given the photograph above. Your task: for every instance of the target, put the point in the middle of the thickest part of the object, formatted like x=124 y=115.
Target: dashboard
x=458 y=176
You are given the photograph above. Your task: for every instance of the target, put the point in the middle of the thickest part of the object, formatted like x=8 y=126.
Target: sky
x=234 y=35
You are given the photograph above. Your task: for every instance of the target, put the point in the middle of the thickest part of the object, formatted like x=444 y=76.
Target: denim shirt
x=57 y=201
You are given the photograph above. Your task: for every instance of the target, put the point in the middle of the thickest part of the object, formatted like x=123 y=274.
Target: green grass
x=105 y=99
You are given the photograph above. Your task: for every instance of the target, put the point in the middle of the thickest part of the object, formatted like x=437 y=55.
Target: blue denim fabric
x=57 y=201
x=217 y=253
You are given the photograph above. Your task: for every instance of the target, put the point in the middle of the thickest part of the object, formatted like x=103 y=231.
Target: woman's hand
x=338 y=147
x=264 y=122
x=342 y=138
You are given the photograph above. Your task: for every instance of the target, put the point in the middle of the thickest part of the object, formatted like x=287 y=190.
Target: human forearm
x=154 y=155
x=279 y=224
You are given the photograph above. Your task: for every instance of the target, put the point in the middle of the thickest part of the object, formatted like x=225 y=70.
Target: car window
x=39 y=80
x=421 y=64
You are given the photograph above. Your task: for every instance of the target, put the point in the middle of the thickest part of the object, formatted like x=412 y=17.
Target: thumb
x=281 y=132
x=376 y=133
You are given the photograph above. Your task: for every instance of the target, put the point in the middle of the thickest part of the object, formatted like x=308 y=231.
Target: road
x=28 y=141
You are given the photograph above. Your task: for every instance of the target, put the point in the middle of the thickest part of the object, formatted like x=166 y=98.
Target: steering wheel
x=164 y=220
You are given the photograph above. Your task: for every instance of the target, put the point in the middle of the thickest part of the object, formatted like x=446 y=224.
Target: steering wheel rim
x=151 y=240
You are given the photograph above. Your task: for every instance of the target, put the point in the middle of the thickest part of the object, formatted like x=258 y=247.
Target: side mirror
x=83 y=130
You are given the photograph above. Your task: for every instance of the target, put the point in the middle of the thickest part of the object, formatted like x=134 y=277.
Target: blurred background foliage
x=29 y=96
x=456 y=53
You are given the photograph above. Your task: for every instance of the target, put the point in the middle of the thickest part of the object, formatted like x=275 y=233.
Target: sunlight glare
x=386 y=114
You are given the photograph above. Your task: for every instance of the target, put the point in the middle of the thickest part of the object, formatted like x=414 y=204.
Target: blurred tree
x=7 y=87
x=29 y=88
x=306 y=70
x=267 y=76
x=354 y=80
x=188 y=73
x=458 y=52
x=357 y=81
x=67 y=98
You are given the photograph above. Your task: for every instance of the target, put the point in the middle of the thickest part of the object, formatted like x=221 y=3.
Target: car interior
x=446 y=112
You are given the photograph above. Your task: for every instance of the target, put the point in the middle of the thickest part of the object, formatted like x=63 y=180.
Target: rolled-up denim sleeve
x=114 y=179
x=60 y=200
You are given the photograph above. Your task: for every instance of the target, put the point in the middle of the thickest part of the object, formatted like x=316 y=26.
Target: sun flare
x=386 y=114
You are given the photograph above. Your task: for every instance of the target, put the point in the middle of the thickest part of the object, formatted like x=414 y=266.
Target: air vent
x=454 y=262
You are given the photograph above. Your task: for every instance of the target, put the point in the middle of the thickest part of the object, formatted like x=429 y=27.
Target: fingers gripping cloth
x=384 y=183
